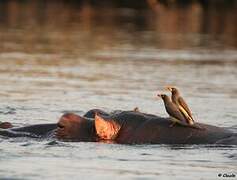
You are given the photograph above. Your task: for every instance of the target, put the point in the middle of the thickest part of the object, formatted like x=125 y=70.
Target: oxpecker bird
x=173 y=111
x=181 y=104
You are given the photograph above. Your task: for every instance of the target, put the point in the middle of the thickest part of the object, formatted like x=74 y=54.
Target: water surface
x=114 y=59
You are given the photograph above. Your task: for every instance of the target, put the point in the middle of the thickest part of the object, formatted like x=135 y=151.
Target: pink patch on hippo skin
x=106 y=129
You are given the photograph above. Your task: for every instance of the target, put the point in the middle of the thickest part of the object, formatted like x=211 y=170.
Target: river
x=66 y=58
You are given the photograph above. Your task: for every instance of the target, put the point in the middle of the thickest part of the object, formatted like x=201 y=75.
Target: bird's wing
x=186 y=115
x=177 y=114
x=185 y=107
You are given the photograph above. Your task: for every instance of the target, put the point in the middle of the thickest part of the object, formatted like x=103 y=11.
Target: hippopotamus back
x=140 y=128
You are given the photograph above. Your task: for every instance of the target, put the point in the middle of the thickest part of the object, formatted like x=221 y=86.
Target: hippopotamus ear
x=106 y=129
x=5 y=125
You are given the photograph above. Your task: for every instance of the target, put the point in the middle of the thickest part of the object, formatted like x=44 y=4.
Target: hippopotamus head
x=73 y=127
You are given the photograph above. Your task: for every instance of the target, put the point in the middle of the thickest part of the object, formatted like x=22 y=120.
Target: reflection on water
x=58 y=57
x=63 y=28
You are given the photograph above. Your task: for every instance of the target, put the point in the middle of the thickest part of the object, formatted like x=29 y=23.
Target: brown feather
x=184 y=105
x=187 y=117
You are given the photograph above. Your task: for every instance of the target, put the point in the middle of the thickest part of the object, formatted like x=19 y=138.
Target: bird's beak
x=168 y=88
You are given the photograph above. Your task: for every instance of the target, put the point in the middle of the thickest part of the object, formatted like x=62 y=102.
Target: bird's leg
x=195 y=126
x=172 y=124
x=174 y=121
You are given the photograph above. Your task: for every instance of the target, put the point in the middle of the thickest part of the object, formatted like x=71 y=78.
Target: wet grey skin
x=178 y=100
x=173 y=111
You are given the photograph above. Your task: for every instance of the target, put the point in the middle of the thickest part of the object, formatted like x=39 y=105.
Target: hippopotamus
x=70 y=127
x=139 y=128
x=125 y=127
